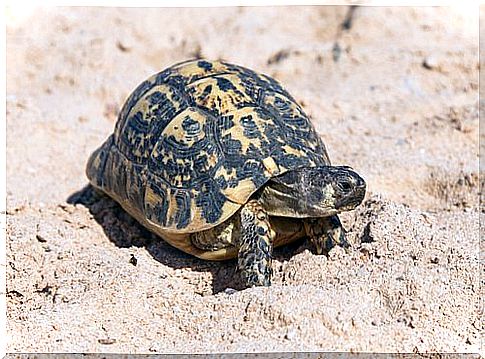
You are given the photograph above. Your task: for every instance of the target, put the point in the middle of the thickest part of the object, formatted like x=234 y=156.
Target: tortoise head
x=314 y=192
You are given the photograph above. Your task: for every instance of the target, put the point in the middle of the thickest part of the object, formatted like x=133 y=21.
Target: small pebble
x=336 y=51
x=279 y=56
x=430 y=63
x=229 y=291
x=106 y=341
x=122 y=47
x=290 y=334
x=155 y=348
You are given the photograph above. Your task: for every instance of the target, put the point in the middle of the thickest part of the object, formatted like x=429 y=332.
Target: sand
x=397 y=100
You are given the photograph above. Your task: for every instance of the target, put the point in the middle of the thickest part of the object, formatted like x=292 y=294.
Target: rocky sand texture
x=393 y=93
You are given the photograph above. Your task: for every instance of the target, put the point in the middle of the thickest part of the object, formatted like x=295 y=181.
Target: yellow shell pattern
x=195 y=141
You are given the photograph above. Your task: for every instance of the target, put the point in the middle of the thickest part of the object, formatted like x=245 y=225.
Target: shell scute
x=195 y=141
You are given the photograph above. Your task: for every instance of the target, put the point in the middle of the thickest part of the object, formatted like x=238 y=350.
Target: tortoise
x=222 y=162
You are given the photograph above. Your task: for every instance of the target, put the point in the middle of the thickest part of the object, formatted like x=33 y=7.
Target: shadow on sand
x=124 y=231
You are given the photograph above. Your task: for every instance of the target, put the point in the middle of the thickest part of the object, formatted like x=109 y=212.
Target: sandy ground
x=398 y=102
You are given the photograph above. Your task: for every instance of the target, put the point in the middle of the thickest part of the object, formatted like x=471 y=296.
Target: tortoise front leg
x=256 y=245
x=325 y=233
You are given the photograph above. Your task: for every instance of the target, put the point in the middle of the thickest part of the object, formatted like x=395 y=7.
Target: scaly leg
x=222 y=236
x=256 y=245
x=325 y=233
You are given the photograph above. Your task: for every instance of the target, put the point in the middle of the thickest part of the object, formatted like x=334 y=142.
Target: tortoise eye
x=344 y=186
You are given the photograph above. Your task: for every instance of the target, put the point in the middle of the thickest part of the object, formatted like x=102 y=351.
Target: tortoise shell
x=195 y=141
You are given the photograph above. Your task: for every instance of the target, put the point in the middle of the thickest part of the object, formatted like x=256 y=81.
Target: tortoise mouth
x=351 y=200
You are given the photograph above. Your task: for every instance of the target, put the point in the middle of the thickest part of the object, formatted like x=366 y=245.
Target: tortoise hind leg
x=325 y=233
x=255 y=245
x=222 y=236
